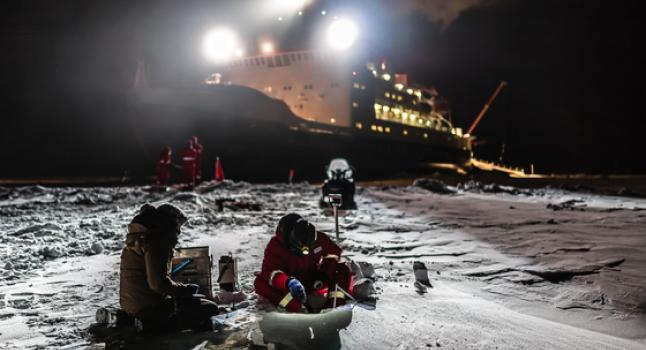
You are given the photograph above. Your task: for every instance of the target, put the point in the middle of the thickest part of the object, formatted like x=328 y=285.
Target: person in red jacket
x=162 y=170
x=198 y=159
x=189 y=156
x=301 y=266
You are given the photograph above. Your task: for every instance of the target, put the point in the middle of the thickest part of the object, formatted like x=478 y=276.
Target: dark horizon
x=573 y=104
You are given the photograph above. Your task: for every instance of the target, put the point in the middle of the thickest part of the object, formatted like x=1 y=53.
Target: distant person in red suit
x=189 y=156
x=198 y=159
x=162 y=170
x=301 y=268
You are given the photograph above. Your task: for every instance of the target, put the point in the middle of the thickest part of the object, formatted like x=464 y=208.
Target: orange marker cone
x=219 y=172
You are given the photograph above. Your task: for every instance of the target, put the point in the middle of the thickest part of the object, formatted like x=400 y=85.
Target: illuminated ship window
x=409 y=91
x=387 y=94
x=355 y=105
x=386 y=109
x=363 y=87
x=356 y=85
x=380 y=128
x=425 y=135
x=373 y=127
x=332 y=120
x=405 y=132
x=359 y=125
x=377 y=106
x=387 y=129
x=399 y=98
x=267 y=89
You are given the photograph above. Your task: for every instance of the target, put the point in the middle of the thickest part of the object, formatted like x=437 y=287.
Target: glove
x=192 y=289
x=297 y=290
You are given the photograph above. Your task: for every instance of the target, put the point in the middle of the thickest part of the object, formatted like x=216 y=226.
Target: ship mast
x=485 y=108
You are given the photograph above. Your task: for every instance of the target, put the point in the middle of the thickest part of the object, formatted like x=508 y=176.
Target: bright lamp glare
x=342 y=33
x=219 y=44
x=267 y=47
x=288 y=5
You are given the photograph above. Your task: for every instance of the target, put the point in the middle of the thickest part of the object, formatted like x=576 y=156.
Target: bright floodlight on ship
x=267 y=47
x=342 y=33
x=289 y=5
x=219 y=44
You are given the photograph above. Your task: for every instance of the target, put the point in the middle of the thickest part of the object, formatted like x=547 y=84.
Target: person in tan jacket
x=146 y=289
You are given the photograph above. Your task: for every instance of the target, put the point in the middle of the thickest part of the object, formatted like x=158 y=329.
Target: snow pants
x=280 y=297
x=188 y=171
x=179 y=314
x=162 y=174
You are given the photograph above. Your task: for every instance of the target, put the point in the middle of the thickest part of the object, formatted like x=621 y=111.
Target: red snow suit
x=188 y=164
x=162 y=170
x=319 y=272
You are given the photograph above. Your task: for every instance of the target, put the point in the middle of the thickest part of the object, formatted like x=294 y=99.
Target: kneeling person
x=146 y=290
x=301 y=265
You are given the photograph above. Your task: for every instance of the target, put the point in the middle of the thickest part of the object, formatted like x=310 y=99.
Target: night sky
x=574 y=103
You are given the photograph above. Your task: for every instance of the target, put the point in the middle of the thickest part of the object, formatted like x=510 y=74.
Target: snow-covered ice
x=510 y=268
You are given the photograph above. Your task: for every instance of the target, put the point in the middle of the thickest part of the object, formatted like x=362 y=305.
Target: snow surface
x=511 y=268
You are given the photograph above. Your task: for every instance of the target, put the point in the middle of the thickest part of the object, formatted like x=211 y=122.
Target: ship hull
x=258 y=139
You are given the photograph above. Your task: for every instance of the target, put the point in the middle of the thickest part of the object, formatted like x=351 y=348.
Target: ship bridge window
x=298 y=56
x=334 y=85
x=270 y=62
x=355 y=105
x=287 y=88
x=257 y=61
x=286 y=60
x=262 y=59
x=308 y=87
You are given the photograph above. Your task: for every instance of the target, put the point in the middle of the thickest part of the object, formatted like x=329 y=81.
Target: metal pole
x=336 y=222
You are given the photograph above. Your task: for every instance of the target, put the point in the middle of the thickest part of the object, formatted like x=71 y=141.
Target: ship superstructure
x=324 y=89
